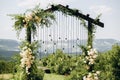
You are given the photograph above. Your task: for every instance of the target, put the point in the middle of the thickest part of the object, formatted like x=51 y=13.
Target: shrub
x=80 y=69
x=59 y=63
x=109 y=64
x=6 y=66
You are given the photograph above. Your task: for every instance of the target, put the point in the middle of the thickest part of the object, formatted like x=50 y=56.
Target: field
x=5 y=76
x=46 y=77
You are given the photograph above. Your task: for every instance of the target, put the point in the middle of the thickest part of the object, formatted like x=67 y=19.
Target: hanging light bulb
x=65 y=38
x=77 y=38
x=49 y=35
x=54 y=43
x=59 y=38
x=51 y=40
x=73 y=46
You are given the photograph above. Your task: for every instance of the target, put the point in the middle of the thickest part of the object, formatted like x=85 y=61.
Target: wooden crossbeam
x=74 y=13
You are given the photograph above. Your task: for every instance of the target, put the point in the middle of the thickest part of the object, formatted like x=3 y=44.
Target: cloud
x=101 y=9
x=43 y=3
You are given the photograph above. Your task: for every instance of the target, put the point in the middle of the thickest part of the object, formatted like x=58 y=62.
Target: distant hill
x=10 y=47
x=104 y=44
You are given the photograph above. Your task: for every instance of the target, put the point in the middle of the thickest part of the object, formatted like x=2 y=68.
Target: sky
x=108 y=8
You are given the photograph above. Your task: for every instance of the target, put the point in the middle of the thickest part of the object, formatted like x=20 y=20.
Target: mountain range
x=10 y=47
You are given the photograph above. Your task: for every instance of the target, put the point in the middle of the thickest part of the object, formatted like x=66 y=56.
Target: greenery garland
x=30 y=20
x=90 y=54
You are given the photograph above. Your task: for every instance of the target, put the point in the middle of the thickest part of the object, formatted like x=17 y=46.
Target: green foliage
x=108 y=64
x=33 y=46
x=59 y=63
x=39 y=75
x=6 y=66
x=36 y=74
x=80 y=69
x=32 y=19
x=91 y=29
x=20 y=73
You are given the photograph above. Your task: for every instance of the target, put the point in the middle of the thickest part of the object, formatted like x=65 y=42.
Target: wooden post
x=28 y=31
x=28 y=38
x=90 y=34
x=90 y=41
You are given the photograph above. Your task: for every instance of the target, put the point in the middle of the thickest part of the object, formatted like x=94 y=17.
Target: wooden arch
x=66 y=10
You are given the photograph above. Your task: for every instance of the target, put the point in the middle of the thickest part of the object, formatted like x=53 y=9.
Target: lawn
x=54 y=77
x=46 y=77
x=5 y=76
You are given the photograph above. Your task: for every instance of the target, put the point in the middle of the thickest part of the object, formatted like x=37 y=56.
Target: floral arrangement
x=28 y=54
x=89 y=60
x=27 y=58
x=32 y=19
x=92 y=76
x=27 y=68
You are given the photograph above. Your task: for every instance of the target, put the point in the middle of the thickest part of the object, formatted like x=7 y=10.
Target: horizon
x=64 y=40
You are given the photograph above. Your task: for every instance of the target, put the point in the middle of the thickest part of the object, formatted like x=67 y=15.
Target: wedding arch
x=70 y=30
x=58 y=15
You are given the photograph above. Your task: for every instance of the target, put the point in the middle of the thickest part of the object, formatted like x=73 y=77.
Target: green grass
x=54 y=77
x=5 y=76
x=46 y=77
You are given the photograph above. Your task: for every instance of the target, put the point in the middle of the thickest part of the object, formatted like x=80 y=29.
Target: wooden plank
x=75 y=13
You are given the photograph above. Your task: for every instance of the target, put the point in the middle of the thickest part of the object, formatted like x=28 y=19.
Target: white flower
x=26 y=51
x=23 y=59
x=29 y=50
x=28 y=17
x=24 y=54
x=27 y=70
x=84 y=78
x=95 y=56
x=91 y=61
x=22 y=65
x=89 y=46
x=98 y=72
x=95 y=50
x=96 y=78
x=95 y=74
x=89 y=75
x=24 y=48
x=21 y=54
x=91 y=52
x=85 y=61
x=87 y=57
